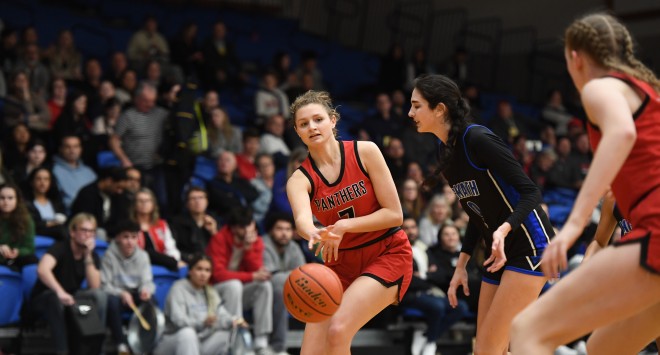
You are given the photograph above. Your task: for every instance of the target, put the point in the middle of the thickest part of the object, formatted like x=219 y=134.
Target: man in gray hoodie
x=280 y=258
x=126 y=277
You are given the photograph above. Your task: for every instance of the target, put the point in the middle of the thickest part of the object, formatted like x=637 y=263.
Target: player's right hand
x=460 y=278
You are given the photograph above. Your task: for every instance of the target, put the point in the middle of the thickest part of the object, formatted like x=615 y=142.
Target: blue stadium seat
x=107 y=159
x=163 y=278
x=42 y=244
x=101 y=247
x=29 y=274
x=409 y=312
x=205 y=168
x=11 y=288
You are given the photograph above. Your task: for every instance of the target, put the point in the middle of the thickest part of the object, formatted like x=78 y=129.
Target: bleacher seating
x=42 y=244
x=29 y=279
x=101 y=247
x=107 y=159
x=205 y=168
x=11 y=290
x=163 y=278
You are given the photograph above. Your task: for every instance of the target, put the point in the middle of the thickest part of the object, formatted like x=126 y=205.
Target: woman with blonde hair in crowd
x=155 y=236
x=412 y=202
x=437 y=213
x=222 y=134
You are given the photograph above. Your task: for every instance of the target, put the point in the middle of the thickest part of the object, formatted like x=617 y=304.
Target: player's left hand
x=497 y=257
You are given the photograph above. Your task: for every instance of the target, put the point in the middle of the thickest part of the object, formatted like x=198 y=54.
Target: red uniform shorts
x=388 y=261
x=645 y=220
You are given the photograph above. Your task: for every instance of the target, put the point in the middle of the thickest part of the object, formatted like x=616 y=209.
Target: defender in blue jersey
x=504 y=206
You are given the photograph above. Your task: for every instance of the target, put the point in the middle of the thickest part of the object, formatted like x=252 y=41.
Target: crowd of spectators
x=157 y=108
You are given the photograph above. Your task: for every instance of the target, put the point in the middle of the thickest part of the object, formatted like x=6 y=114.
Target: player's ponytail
x=439 y=89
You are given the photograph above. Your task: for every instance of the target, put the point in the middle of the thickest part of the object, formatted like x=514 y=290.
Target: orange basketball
x=312 y=293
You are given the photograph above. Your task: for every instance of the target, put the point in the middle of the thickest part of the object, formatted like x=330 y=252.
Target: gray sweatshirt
x=119 y=273
x=274 y=262
x=187 y=306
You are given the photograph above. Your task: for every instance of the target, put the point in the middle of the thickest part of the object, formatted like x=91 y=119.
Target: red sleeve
x=219 y=250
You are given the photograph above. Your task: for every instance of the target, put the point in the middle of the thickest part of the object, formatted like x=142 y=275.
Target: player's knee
x=519 y=325
x=338 y=334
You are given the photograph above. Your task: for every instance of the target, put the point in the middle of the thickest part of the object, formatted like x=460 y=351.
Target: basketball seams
x=302 y=299
x=321 y=285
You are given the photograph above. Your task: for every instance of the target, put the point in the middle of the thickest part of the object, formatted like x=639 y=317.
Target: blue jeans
x=440 y=316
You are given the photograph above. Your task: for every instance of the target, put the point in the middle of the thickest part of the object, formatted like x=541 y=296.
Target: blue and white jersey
x=493 y=188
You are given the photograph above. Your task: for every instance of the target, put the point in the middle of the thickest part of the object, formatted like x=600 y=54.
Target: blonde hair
x=155 y=214
x=79 y=219
x=227 y=129
x=607 y=41
x=314 y=97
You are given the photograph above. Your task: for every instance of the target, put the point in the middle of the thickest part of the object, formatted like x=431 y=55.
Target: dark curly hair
x=17 y=220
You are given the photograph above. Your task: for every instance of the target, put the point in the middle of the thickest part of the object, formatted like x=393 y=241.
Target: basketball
x=312 y=293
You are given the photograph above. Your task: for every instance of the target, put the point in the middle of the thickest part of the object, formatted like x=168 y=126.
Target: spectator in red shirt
x=239 y=274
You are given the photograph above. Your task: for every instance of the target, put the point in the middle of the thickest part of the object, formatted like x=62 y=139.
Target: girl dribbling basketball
x=346 y=185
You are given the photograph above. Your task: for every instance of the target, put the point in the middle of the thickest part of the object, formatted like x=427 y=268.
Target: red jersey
x=352 y=195
x=638 y=181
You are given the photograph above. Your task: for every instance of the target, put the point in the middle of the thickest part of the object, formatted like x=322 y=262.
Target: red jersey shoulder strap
x=637 y=83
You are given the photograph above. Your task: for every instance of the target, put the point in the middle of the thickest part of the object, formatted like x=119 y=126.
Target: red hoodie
x=220 y=250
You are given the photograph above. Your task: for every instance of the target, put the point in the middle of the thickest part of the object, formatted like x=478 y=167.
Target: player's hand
x=554 y=259
x=460 y=278
x=329 y=245
x=497 y=257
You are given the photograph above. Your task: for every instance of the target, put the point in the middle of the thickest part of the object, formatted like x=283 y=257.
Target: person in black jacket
x=100 y=198
x=194 y=228
x=227 y=190
x=445 y=257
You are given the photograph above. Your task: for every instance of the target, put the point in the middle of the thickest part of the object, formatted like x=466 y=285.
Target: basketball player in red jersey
x=347 y=186
x=620 y=96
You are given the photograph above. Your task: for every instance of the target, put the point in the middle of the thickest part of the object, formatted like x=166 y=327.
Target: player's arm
x=606 y=226
x=607 y=107
x=298 y=188
x=390 y=214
